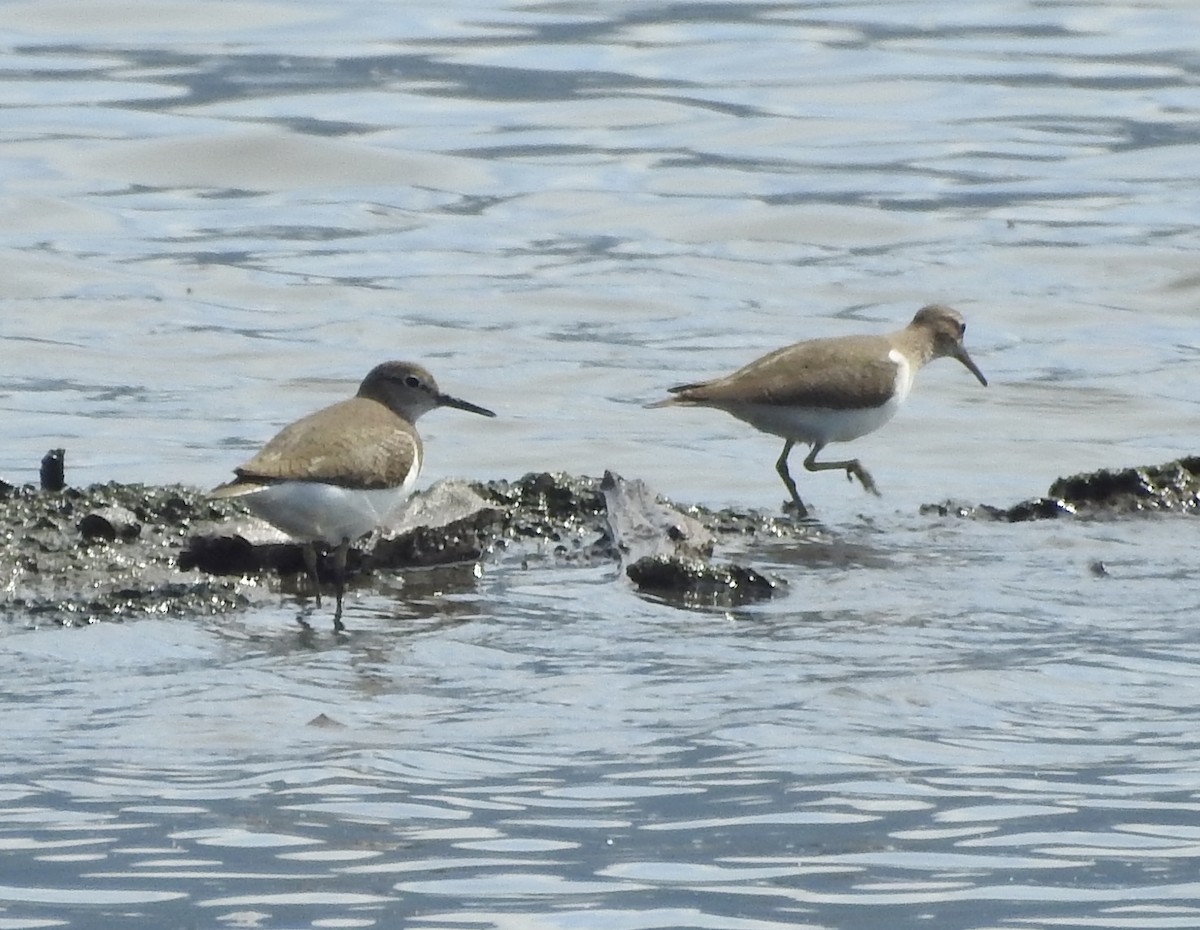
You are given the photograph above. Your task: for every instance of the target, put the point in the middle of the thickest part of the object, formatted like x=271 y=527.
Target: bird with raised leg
x=830 y=390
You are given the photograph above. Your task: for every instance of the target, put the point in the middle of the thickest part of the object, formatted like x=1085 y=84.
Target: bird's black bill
x=963 y=357
x=447 y=401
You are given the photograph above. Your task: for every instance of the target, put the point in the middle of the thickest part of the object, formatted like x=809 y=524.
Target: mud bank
x=1173 y=487
x=110 y=551
x=75 y=556
x=106 y=552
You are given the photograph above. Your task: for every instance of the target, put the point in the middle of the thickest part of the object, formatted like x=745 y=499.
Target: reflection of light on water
x=216 y=224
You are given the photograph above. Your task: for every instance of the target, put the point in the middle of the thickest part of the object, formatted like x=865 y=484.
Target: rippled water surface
x=218 y=216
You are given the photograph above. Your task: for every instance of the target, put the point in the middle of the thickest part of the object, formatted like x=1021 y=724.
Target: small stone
x=53 y=472
x=110 y=524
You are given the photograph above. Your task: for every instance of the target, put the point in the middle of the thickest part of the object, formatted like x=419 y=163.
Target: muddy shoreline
x=111 y=551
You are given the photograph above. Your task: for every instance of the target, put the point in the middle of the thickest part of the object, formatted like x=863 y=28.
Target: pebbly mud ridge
x=110 y=551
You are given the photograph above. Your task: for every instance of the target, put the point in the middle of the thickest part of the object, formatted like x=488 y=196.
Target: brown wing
x=357 y=436
x=816 y=373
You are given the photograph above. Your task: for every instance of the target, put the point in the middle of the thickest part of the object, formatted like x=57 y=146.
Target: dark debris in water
x=695 y=582
x=1173 y=487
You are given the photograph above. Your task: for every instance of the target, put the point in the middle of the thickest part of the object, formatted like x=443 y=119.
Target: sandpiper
x=831 y=390
x=341 y=472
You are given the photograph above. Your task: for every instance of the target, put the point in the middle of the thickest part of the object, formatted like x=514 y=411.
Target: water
x=217 y=217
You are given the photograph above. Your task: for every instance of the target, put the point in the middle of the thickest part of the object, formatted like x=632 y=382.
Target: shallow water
x=216 y=218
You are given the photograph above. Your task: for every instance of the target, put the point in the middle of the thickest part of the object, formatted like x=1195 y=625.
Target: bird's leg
x=851 y=466
x=781 y=466
x=339 y=577
x=310 y=563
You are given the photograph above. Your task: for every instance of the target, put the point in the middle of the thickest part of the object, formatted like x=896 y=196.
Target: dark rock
x=234 y=554
x=1171 y=487
x=696 y=582
x=1038 y=508
x=450 y=523
x=551 y=516
x=52 y=472
x=110 y=524
x=425 y=547
x=554 y=496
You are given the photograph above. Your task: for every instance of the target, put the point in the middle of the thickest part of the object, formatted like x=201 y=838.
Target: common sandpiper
x=345 y=470
x=831 y=390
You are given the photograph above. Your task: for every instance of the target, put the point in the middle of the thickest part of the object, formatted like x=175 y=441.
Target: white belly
x=816 y=425
x=312 y=511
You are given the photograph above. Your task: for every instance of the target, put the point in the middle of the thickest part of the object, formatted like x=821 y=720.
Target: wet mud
x=108 y=551
x=73 y=556
x=1172 y=487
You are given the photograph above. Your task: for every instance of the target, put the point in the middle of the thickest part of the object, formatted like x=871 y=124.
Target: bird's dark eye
x=412 y=381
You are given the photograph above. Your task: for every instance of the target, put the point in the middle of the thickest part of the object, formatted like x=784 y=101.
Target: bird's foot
x=795 y=508
x=854 y=470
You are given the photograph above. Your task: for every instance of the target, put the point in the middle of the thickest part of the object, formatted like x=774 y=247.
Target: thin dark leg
x=781 y=466
x=339 y=577
x=310 y=562
x=851 y=466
